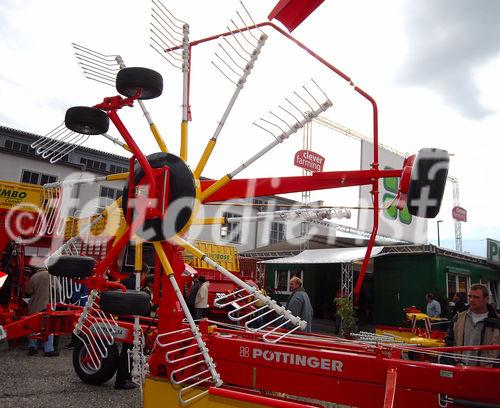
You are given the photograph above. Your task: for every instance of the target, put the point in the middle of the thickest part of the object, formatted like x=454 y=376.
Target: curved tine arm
x=254 y=329
x=280 y=337
x=91 y=353
x=235 y=39
x=276 y=319
x=166 y=20
x=92 y=341
x=180 y=370
x=64 y=152
x=223 y=73
x=290 y=113
x=303 y=100
x=43 y=139
x=98 y=329
x=251 y=19
x=273 y=124
x=234 y=48
x=225 y=297
x=229 y=55
x=192 y=399
x=160 y=336
x=173 y=343
x=234 y=318
x=54 y=139
x=311 y=95
x=167 y=40
x=95 y=53
x=166 y=11
x=175 y=360
x=238 y=74
x=296 y=108
x=264 y=129
x=162 y=53
x=244 y=32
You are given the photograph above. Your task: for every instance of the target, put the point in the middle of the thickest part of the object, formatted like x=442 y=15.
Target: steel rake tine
x=227 y=65
x=291 y=114
x=167 y=23
x=321 y=90
x=273 y=124
x=296 y=108
x=168 y=11
x=243 y=32
x=44 y=139
x=95 y=53
x=162 y=54
x=264 y=129
x=236 y=39
x=281 y=119
x=303 y=100
x=223 y=73
x=229 y=56
x=252 y=20
x=166 y=34
x=160 y=41
x=100 y=63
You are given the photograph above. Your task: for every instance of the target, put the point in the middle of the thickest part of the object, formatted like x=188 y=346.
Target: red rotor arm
x=244 y=188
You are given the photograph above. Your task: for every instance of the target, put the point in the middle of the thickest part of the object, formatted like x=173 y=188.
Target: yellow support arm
x=138 y=256
x=208 y=221
x=215 y=187
x=188 y=247
x=163 y=258
x=158 y=138
x=184 y=140
x=117 y=176
x=204 y=158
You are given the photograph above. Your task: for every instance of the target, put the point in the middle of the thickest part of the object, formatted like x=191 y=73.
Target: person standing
x=38 y=291
x=478 y=325
x=192 y=294
x=459 y=304
x=433 y=306
x=299 y=304
x=201 y=299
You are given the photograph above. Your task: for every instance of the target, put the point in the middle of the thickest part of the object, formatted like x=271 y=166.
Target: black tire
x=129 y=79
x=85 y=370
x=69 y=266
x=427 y=182
x=86 y=120
x=131 y=302
x=182 y=190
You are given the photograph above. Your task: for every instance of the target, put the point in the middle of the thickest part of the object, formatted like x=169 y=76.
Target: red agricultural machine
x=263 y=358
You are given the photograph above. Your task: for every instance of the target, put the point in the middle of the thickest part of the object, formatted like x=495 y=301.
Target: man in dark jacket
x=299 y=304
x=478 y=325
x=192 y=295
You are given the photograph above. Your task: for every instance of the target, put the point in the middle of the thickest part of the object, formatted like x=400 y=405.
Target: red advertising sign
x=309 y=160
x=459 y=214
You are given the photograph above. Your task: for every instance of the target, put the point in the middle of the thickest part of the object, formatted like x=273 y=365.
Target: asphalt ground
x=50 y=382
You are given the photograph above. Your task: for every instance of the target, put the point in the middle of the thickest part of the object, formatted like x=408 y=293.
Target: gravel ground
x=41 y=382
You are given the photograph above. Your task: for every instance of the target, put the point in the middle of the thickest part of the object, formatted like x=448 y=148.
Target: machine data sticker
x=104 y=328
x=445 y=373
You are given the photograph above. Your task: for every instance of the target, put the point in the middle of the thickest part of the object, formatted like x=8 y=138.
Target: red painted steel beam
x=243 y=188
x=390 y=387
x=256 y=399
x=292 y=13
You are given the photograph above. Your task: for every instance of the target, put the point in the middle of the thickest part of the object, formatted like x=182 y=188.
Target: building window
x=32 y=177
x=278 y=232
x=114 y=168
x=260 y=205
x=457 y=283
x=93 y=164
x=232 y=230
x=17 y=146
x=282 y=280
x=108 y=195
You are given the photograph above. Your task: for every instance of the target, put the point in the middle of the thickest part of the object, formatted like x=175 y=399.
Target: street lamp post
x=439 y=238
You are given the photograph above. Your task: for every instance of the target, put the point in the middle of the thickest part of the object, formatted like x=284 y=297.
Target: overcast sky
x=432 y=66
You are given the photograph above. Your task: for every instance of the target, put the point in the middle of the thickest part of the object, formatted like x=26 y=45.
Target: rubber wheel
x=86 y=120
x=131 y=302
x=69 y=266
x=427 y=182
x=182 y=192
x=129 y=79
x=85 y=369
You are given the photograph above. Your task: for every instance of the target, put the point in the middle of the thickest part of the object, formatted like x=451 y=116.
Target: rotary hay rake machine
x=265 y=360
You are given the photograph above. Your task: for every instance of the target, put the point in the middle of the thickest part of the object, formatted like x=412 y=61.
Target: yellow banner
x=23 y=196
